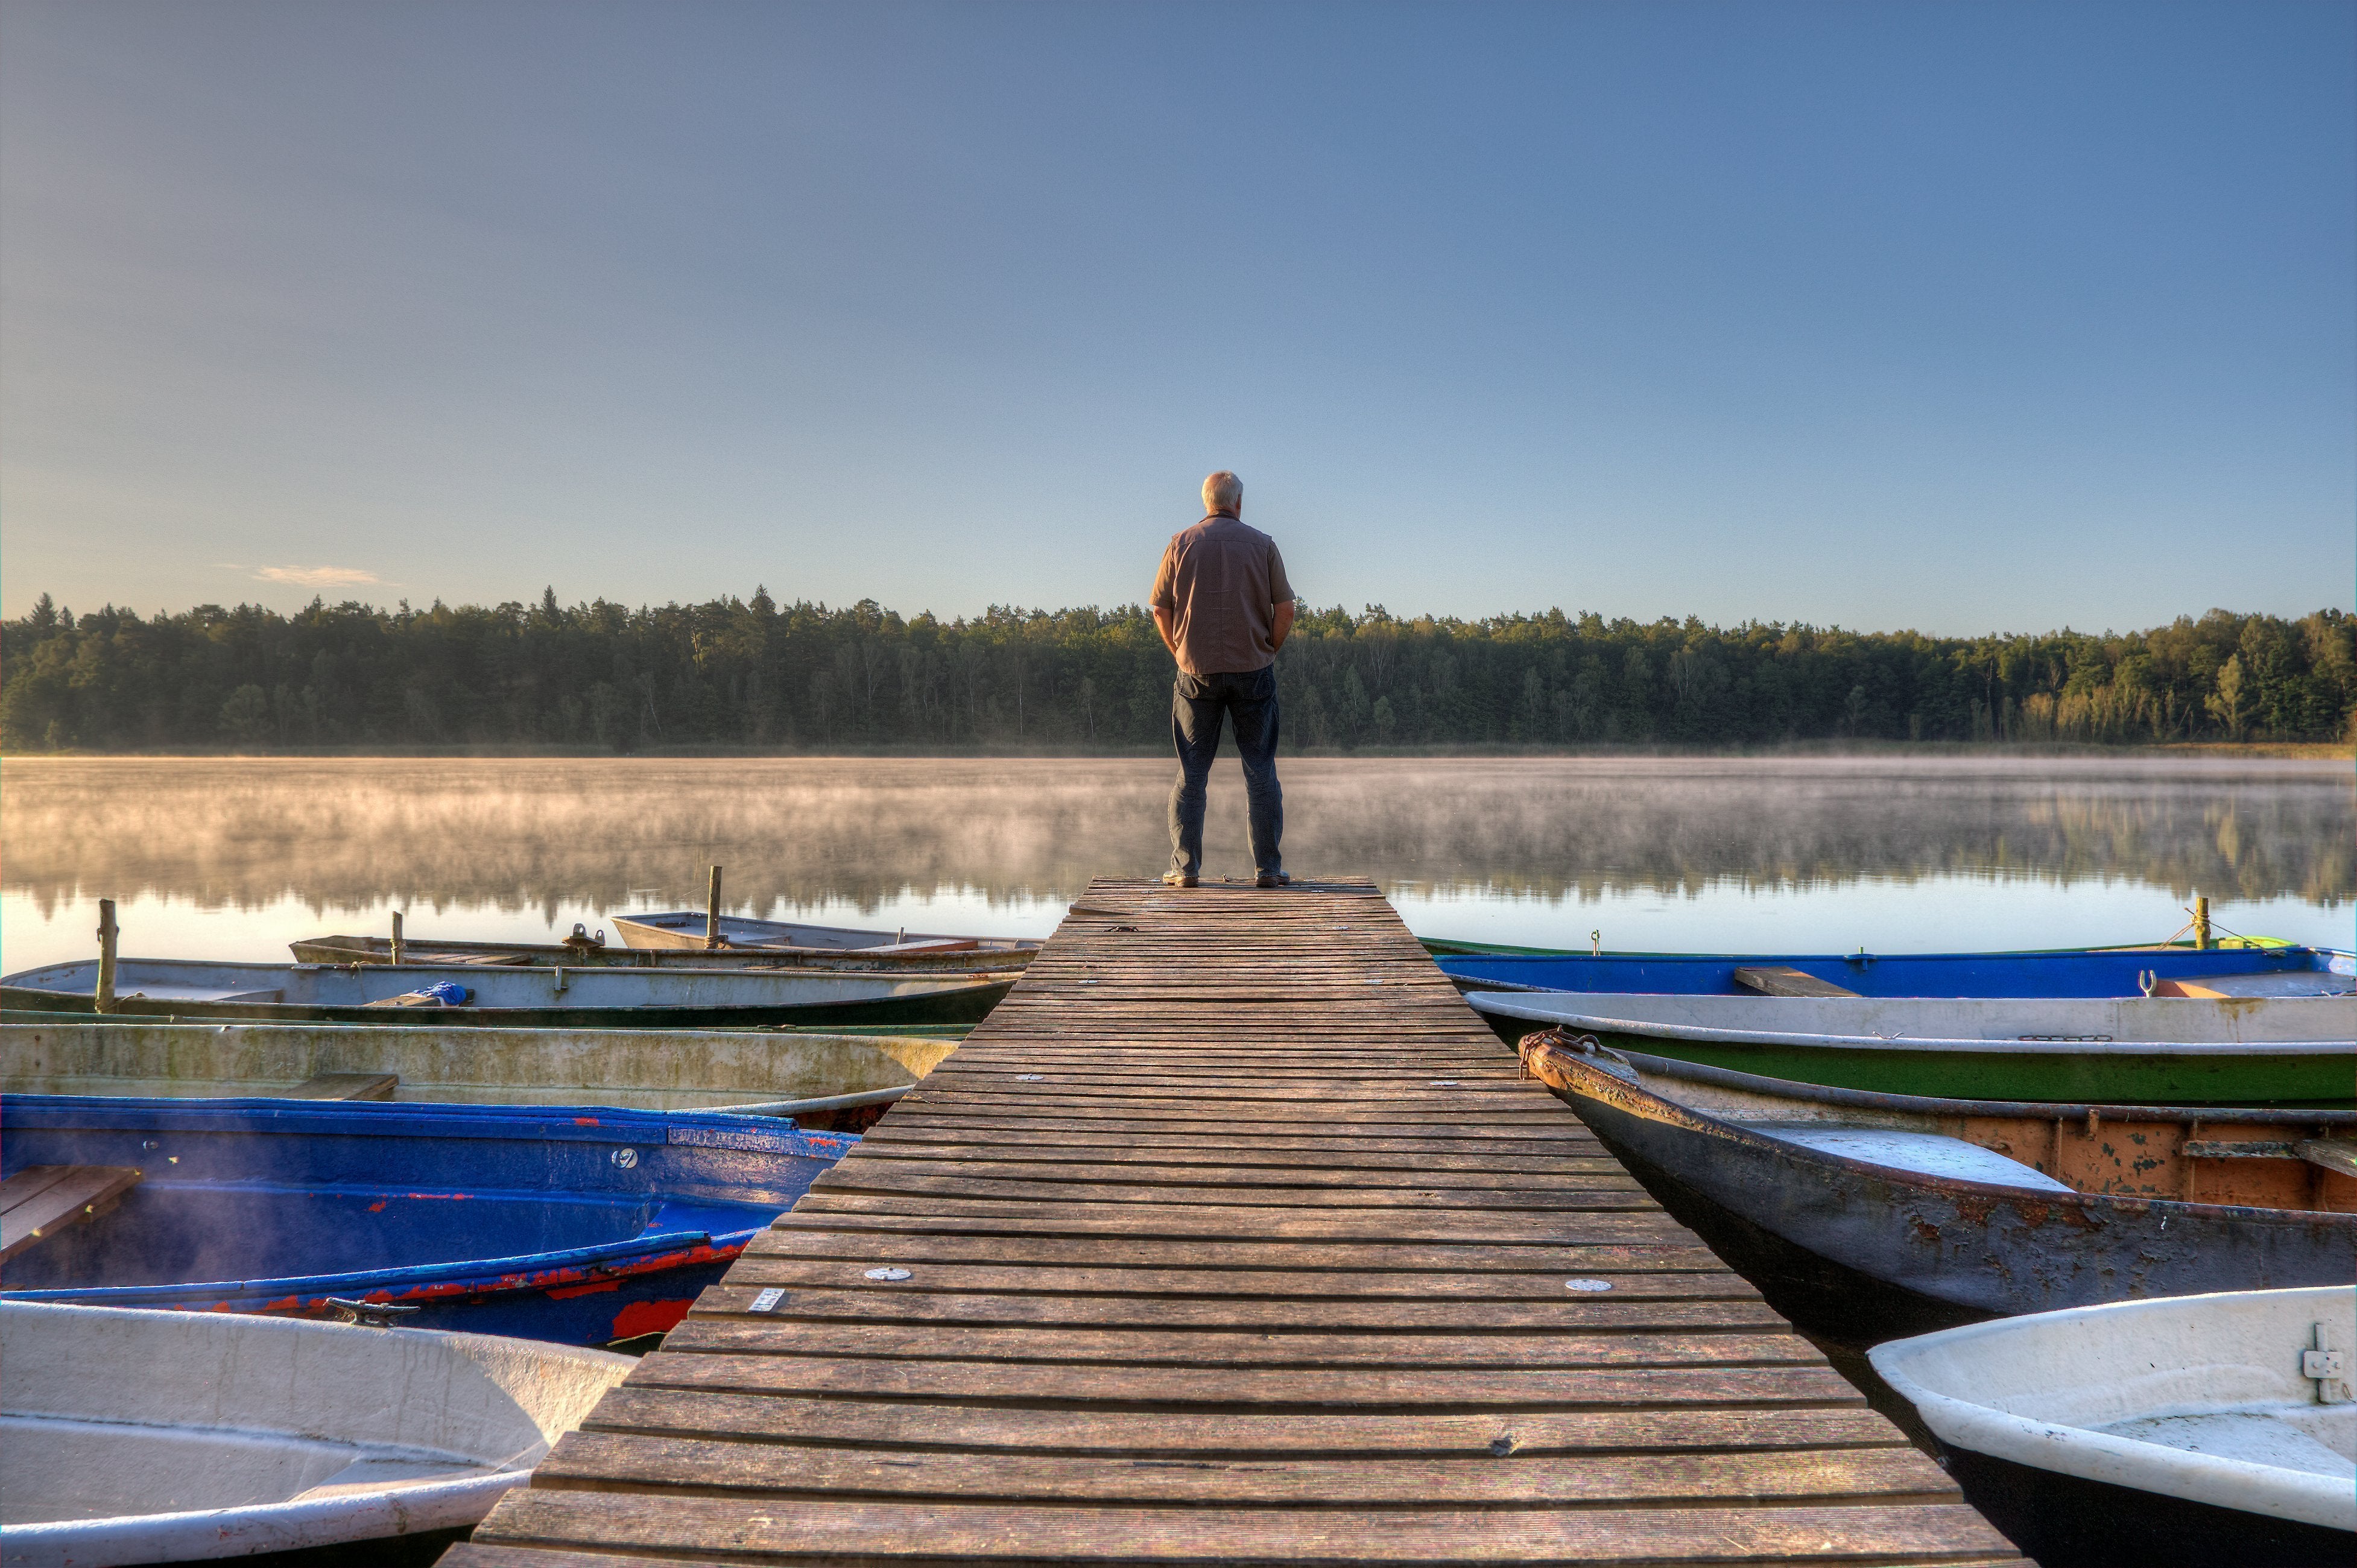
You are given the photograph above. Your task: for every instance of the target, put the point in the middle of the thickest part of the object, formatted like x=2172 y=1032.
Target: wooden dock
x=1233 y=1236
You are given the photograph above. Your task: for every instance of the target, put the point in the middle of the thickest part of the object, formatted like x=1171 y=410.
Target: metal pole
x=399 y=947
x=712 y=911
x=2201 y=922
x=102 y=999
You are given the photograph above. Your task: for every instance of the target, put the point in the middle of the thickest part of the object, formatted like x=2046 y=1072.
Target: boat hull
x=379 y=949
x=682 y=929
x=2195 y=1430
x=152 y=1438
x=1864 y=1251
x=2083 y=973
x=555 y=996
x=2067 y=1521
x=2074 y=1066
x=434 y=1062
x=577 y=1225
x=2188 y=1078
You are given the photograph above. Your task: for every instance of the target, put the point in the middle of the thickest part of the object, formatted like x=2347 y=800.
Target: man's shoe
x=1179 y=879
x=1271 y=879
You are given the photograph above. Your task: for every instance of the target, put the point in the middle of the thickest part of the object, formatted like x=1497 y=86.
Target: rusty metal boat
x=1865 y=1215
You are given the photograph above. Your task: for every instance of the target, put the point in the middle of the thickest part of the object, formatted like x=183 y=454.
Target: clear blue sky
x=1958 y=316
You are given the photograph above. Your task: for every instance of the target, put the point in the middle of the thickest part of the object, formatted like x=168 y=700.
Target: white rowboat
x=170 y=1436
x=2190 y=1429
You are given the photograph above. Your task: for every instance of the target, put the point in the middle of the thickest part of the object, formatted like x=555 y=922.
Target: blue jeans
x=1249 y=701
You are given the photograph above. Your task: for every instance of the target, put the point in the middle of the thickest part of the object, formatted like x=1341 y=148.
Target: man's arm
x=1281 y=629
x=1162 y=625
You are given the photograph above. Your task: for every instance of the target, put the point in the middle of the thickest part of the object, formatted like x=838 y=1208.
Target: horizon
x=1136 y=609
x=1927 y=317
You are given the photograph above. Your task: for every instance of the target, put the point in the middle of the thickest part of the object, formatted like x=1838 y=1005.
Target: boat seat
x=2275 y=982
x=41 y=1200
x=345 y=1086
x=1782 y=980
x=1925 y=1153
x=164 y=990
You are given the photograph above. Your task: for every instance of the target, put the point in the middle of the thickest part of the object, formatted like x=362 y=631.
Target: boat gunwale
x=465 y=1276
x=385 y=1118
x=943 y=980
x=1930 y=1105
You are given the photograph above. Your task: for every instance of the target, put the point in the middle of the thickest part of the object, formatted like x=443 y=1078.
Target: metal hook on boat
x=2147 y=980
x=369 y=1313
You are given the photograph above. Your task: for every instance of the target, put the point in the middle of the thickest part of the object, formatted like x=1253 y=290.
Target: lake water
x=233 y=858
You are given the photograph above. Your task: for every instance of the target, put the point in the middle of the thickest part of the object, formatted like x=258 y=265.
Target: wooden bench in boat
x=1782 y=980
x=346 y=1086
x=41 y=1200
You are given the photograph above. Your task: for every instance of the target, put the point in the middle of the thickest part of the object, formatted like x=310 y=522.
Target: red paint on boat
x=649 y=1318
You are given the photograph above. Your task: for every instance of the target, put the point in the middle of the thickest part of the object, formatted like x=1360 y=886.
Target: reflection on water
x=528 y=845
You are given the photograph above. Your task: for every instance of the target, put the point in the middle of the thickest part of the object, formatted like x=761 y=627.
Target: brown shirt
x=1222 y=583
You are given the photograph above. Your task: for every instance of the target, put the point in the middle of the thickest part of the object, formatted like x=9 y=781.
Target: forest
x=755 y=673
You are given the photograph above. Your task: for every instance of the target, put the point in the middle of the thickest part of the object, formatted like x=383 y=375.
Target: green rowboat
x=2241 y=1051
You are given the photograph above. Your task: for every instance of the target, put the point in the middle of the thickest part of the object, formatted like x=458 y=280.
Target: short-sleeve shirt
x=1222 y=583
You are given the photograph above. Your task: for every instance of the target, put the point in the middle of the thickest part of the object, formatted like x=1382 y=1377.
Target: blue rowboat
x=2111 y=971
x=580 y=1225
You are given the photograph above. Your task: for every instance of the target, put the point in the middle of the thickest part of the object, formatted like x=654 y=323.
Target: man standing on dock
x=1224 y=608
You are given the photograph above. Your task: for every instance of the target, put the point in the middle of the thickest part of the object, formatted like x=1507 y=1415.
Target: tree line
x=754 y=673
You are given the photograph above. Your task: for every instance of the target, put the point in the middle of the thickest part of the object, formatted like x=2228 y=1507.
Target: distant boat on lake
x=1861 y=1213
x=687 y=929
x=580 y=1225
x=552 y=996
x=132 y=1437
x=2271 y=971
x=910 y=959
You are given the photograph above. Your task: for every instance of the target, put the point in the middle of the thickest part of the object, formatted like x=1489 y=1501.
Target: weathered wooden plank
x=1273 y=1290
x=1275 y=1221
x=800 y=1236
x=822 y=1530
x=1244 y=1186
x=1125 y=1154
x=708 y=1464
x=1055 y=1139
x=487 y=1554
x=40 y=1201
x=1381 y=1388
x=1565 y=1312
x=1161 y=1434
x=1242 y=1347
x=346 y=1086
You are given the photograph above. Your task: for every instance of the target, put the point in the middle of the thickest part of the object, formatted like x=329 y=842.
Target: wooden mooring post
x=1233 y=1235
x=712 y=910
x=102 y=994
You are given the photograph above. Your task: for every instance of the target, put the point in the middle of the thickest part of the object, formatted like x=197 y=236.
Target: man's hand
x=1162 y=625
x=1281 y=630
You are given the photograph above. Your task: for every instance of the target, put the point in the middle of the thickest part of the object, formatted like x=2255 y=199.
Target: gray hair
x=1223 y=493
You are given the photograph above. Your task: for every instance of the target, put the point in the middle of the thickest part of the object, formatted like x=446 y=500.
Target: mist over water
x=232 y=858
